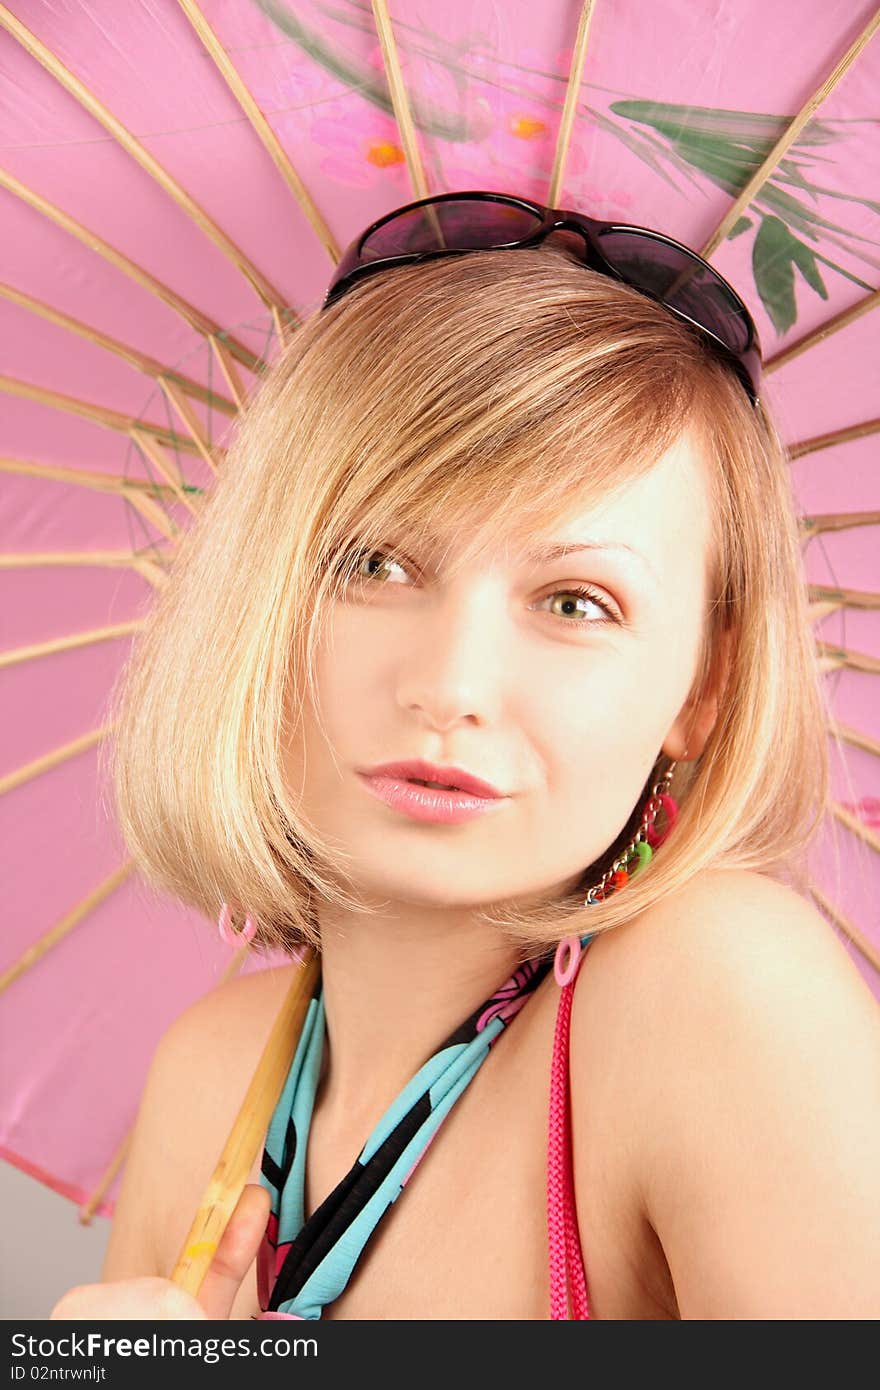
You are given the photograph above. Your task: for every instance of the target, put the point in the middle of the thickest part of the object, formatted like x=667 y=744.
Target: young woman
x=515 y=518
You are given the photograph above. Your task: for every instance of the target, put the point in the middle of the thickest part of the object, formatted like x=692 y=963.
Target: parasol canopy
x=176 y=184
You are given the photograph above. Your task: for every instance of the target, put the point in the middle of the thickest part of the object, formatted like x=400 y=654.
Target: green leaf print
x=727 y=147
x=741 y=225
x=775 y=254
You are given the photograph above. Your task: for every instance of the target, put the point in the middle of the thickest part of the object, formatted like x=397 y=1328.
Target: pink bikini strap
x=567 y=1276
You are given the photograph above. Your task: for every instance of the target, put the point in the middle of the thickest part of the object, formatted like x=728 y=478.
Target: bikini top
x=304 y=1265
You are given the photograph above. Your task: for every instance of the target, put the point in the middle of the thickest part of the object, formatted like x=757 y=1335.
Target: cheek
x=600 y=731
x=578 y=708
x=345 y=669
x=344 y=662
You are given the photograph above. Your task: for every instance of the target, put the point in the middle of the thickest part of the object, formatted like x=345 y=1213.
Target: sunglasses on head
x=664 y=270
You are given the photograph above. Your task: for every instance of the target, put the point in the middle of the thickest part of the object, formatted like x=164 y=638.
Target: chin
x=439 y=889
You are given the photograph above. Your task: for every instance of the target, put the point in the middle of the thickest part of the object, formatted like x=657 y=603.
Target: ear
x=697 y=717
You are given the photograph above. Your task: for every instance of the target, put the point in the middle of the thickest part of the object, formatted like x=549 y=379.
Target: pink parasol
x=176 y=183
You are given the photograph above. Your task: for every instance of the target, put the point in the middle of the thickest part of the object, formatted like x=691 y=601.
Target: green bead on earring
x=635 y=858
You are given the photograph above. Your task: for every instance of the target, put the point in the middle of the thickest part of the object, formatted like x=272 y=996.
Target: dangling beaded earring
x=229 y=933
x=634 y=859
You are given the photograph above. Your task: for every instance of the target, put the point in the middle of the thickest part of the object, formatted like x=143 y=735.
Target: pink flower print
x=524 y=98
x=359 y=143
x=866 y=810
x=612 y=204
x=517 y=155
x=303 y=84
x=377 y=62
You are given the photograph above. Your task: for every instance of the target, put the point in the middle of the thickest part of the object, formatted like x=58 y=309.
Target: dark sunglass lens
x=678 y=279
x=464 y=224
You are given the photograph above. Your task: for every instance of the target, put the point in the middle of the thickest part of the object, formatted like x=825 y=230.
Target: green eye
x=372 y=564
x=364 y=565
x=583 y=592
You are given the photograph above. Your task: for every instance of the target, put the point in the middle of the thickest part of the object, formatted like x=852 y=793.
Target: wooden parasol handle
x=234 y=1165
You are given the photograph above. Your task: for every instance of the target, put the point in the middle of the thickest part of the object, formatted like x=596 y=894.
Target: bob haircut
x=483 y=390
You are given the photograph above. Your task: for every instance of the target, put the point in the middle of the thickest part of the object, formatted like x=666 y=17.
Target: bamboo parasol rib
x=97 y=414
x=140 y=360
x=66 y=925
x=88 y=1209
x=858 y=827
x=825 y=330
x=282 y=323
x=855 y=737
x=836 y=521
x=831 y=658
x=248 y=1131
x=87 y=99
x=870 y=953
x=194 y=317
x=144 y=565
x=151 y=511
x=15 y=656
x=140 y=494
x=81 y=477
x=399 y=98
x=569 y=110
x=846 y=598
x=148 y=436
x=78 y=559
x=261 y=126
x=827 y=441
x=153 y=573
x=184 y=410
x=19 y=775
x=827 y=601
x=227 y=367
x=28 y=559
x=153 y=452
x=788 y=137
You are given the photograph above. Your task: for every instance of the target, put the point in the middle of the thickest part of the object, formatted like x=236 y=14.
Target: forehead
x=663 y=515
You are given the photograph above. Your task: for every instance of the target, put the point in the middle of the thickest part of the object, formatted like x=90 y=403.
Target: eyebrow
x=543 y=554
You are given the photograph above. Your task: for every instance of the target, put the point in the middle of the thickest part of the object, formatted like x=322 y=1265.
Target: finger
x=147 y=1298
x=236 y=1251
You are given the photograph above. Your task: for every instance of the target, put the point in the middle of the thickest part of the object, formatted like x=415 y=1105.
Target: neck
x=395 y=986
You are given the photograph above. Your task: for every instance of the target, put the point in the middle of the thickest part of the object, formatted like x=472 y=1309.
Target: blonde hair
x=489 y=390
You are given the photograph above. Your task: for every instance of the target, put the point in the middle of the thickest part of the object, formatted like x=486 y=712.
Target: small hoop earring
x=634 y=859
x=227 y=931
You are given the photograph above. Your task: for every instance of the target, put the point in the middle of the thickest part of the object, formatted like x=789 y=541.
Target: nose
x=452 y=670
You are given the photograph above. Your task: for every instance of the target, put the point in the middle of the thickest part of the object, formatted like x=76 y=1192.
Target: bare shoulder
x=236 y=1015
x=728 y=966
x=197 y=1080
x=735 y=911
x=738 y=939
x=749 y=1053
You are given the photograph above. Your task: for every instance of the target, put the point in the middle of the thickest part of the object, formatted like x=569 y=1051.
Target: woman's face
x=504 y=671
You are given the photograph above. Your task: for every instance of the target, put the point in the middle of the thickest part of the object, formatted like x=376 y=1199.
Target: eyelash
x=580 y=590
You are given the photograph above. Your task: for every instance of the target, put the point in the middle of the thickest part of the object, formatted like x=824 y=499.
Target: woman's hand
x=154 y=1299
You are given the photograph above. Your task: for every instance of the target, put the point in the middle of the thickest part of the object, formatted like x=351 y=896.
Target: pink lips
x=468 y=798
